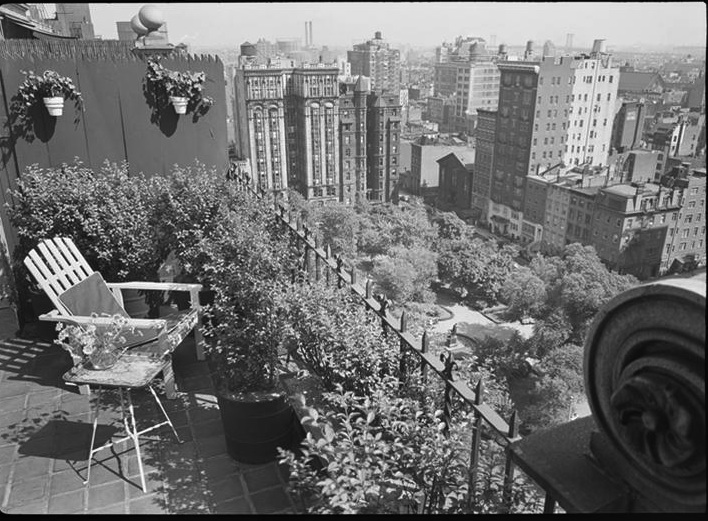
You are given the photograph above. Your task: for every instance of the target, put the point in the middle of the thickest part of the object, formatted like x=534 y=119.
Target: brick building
x=455 y=185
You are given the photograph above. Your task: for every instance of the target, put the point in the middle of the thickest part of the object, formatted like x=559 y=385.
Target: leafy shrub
x=388 y=453
x=106 y=213
x=334 y=334
x=188 y=214
x=248 y=266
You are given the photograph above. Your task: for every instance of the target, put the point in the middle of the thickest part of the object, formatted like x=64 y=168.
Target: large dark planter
x=42 y=304
x=255 y=427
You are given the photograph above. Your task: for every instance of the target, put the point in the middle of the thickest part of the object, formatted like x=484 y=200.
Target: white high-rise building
x=574 y=110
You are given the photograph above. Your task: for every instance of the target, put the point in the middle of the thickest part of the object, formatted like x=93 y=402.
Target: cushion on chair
x=92 y=295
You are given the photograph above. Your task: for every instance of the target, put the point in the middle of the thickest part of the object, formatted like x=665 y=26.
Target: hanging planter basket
x=55 y=105
x=179 y=103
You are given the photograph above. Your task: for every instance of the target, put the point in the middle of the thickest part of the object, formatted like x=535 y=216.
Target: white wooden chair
x=67 y=279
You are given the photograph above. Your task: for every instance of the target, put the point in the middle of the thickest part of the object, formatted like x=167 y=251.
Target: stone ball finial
x=137 y=26
x=151 y=17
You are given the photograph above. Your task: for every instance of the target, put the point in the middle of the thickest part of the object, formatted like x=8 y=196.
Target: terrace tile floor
x=45 y=432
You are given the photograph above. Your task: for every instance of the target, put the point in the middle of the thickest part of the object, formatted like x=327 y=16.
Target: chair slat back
x=56 y=264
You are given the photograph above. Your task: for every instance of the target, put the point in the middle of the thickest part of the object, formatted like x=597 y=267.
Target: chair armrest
x=158 y=286
x=143 y=323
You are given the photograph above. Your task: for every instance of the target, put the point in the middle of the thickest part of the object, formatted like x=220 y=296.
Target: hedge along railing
x=442 y=366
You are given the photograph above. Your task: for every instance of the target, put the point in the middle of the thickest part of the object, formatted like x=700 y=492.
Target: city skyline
x=427 y=24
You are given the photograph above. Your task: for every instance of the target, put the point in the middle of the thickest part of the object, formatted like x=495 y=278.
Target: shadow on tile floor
x=45 y=429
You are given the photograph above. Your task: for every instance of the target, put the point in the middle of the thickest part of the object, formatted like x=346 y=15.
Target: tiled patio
x=45 y=432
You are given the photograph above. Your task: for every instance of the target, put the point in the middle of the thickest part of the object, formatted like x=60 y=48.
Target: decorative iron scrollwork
x=645 y=382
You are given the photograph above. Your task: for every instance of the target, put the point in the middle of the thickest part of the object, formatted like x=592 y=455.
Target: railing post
x=368 y=288
x=402 y=369
x=449 y=363
x=476 y=438
x=424 y=346
x=384 y=303
x=318 y=260
x=340 y=275
x=509 y=468
x=353 y=279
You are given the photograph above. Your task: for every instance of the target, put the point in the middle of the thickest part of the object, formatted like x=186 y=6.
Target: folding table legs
x=130 y=429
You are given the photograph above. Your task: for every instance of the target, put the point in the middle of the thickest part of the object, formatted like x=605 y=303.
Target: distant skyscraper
x=376 y=60
x=568 y=41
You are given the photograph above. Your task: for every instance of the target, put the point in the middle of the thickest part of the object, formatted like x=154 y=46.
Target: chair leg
x=93 y=433
x=169 y=422
x=133 y=432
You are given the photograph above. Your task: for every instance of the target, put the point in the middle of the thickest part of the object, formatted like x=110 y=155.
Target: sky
x=421 y=24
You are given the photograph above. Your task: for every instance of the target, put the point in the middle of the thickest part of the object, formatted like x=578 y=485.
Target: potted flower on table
x=95 y=348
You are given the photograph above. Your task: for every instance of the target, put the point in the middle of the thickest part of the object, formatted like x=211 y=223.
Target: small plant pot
x=55 y=105
x=179 y=103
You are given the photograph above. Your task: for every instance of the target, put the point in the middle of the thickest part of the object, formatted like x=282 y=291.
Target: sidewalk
x=45 y=433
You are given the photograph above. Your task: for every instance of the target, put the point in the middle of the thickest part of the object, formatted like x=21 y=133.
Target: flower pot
x=134 y=303
x=256 y=426
x=55 y=105
x=179 y=103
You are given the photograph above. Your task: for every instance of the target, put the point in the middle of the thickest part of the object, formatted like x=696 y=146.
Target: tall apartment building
x=484 y=159
x=376 y=60
x=555 y=111
x=470 y=81
x=383 y=145
x=353 y=95
x=290 y=118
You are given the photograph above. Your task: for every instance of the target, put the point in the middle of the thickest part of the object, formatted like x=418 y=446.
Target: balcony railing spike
x=353 y=275
x=369 y=287
x=509 y=467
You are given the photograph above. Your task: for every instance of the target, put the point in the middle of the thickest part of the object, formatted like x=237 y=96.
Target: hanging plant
x=184 y=90
x=49 y=87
